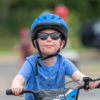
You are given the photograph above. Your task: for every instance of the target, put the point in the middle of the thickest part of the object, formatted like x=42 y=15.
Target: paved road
x=9 y=68
x=7 y=72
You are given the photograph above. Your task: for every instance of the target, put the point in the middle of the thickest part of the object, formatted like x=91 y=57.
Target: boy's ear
x=62 y=44
x=35 y=43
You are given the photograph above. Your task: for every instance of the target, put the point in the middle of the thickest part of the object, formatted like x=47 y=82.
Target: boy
x=48 y=69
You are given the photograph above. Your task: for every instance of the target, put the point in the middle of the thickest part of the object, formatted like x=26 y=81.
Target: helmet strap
x=38 y=49
x=42 y=58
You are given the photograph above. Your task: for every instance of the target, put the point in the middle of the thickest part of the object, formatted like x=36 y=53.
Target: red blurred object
x=62 y=11
x=24 y=32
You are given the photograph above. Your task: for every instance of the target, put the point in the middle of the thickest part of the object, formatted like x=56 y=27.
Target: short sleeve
x=26 y=70
x=69 y=68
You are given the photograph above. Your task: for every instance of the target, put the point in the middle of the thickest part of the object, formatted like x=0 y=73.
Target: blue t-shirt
x=49 y=77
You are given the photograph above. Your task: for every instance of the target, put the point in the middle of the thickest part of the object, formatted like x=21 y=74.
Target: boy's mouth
x=49 y=46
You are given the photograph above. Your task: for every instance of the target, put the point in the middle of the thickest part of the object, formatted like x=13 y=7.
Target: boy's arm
x=78 y=75
x=17 y=84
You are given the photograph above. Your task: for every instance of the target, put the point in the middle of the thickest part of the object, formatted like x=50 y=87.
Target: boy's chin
x=48 y=54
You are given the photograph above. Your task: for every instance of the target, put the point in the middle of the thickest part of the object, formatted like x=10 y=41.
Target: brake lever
x=86 y=80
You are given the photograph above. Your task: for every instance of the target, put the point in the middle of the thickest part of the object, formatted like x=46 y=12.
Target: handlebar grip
x=98 y=85
x=9 y=92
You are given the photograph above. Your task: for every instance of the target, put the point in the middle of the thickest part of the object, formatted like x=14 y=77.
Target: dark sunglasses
x=53 y=36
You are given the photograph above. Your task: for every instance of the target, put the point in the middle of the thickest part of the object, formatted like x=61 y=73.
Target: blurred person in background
x=24 y=47
x=62 y=11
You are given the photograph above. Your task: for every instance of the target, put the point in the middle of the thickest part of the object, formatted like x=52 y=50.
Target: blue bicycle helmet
x=49 y=21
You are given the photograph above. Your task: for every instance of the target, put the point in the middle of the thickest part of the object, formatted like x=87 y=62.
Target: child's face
x=50 y=46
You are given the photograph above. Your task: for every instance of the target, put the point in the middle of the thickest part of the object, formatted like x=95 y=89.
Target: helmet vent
x=38 y=19
x=59 y=18
x=44 y=17
x=53 y=17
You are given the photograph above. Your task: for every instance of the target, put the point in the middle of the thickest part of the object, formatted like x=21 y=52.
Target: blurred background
x=83 y=48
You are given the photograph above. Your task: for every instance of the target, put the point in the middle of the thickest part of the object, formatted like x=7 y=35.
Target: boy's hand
x=92 y=85
x=17 y=90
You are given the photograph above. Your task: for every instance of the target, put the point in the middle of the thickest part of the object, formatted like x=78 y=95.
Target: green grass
x=94 y=67
x=6 y=44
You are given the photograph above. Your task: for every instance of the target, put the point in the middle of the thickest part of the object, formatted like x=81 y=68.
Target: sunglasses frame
x=49 y=34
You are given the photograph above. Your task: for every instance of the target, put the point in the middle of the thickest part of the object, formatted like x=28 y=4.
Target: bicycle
x=59 y=94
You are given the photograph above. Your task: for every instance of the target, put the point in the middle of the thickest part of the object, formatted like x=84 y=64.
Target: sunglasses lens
x=55 y=36
x=43 y=36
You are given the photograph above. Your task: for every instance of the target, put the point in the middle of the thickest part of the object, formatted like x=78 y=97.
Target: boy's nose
x=49 y=38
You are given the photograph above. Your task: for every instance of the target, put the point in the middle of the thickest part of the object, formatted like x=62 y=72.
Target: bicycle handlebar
x=9 y=91
x=82 y=87
x=58 y=93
